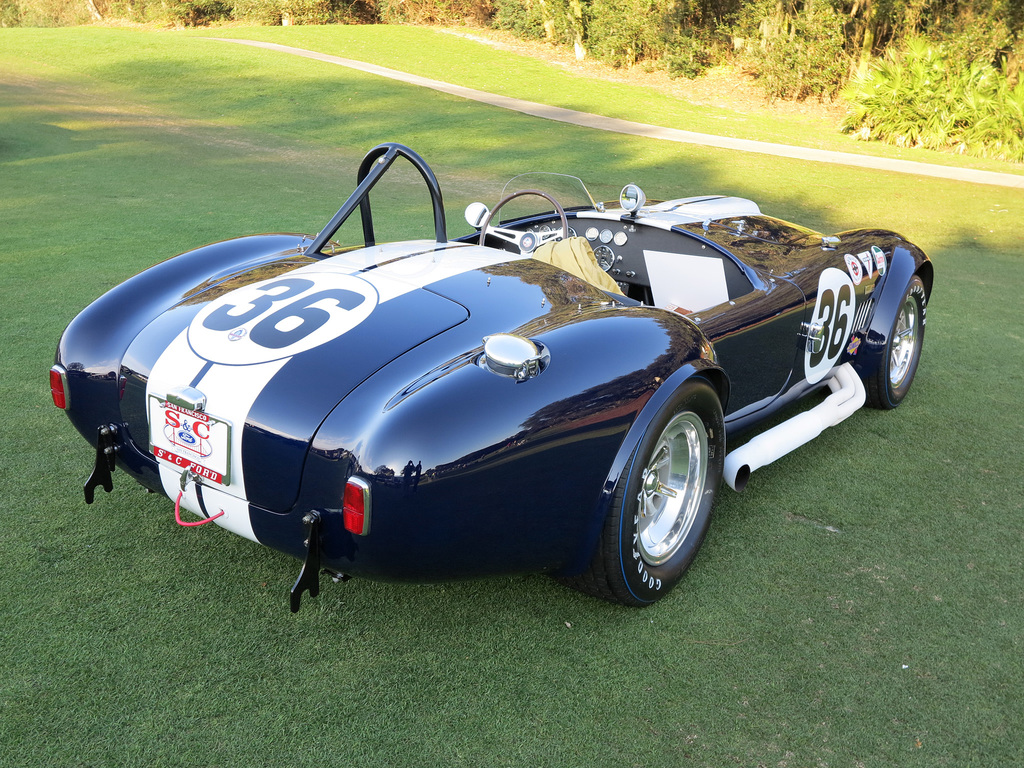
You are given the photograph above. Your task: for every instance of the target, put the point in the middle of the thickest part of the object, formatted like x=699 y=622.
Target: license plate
x=190 y=440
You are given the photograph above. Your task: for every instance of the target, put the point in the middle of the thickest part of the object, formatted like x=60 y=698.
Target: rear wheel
x=663 y=501
x=891 y=382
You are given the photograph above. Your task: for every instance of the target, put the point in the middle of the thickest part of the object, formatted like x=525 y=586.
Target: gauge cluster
x=616 y=246
x=551 y=228
x=606 y=238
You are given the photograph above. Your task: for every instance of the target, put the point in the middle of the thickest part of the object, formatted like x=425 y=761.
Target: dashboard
x=623 y=248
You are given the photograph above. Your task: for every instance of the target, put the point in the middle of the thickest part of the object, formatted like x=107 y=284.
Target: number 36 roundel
x=280 y=317
x=833 y=312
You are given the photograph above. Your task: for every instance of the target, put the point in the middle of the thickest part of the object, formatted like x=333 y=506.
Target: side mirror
x=632 y=198
x=476 y=214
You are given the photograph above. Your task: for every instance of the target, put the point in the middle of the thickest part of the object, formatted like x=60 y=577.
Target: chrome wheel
x=904 y=343
x=890 y=381
x=671 y=488
x=663 y=500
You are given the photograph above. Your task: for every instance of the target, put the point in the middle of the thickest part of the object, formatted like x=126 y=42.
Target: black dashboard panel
x=619 y=247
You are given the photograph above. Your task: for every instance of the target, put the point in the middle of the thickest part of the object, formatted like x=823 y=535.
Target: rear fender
x=93 y=345
x=698 y=368
x=473 y=436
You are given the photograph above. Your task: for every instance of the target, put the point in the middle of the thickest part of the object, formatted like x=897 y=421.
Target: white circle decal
x=833 y=322
x=280 y=317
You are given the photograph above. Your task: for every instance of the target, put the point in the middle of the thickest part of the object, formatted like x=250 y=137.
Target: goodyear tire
x=663 y=502
x=891 y=382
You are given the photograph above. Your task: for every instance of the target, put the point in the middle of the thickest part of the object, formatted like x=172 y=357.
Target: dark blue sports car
x=555 y=393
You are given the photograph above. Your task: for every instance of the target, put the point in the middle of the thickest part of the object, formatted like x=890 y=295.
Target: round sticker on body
x=853 y=264
x=280 y=317
x=833 y=313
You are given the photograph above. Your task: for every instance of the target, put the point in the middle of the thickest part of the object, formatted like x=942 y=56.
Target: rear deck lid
x=238 y=382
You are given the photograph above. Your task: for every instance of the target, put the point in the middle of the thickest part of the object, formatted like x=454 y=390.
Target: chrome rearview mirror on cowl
x=632 y=198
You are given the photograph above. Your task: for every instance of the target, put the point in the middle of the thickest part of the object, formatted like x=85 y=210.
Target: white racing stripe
x=393 y=270
x=398 y=268
x=230 y=392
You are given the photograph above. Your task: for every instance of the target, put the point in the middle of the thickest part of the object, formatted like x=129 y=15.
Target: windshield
x=569 y=191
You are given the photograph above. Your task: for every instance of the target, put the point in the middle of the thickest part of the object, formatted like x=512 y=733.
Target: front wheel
x=891 y=382
x=663 y=501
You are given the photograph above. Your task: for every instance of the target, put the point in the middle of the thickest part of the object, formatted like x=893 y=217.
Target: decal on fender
x=879 y=259
x=856 y=270
x=833 y=311
x=280 y=317
x=868 y=262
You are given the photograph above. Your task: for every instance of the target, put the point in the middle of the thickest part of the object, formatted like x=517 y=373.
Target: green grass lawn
x=861 y=604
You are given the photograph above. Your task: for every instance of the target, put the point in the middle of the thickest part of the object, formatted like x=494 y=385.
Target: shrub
x=563 y=21
x=302 y=11
x=922 y=98
x=520 y=17
x=623 y=32
x=198 y=13
x=43 y=13
x=434 y=11
x=10 y=13
x=689 y=57
x=619 y=32
x=795 y=52
x=266 y=12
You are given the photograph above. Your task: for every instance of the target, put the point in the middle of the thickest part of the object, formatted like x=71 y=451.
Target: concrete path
x=628 y=127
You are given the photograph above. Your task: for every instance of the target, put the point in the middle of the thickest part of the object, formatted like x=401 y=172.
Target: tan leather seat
x=575 y=256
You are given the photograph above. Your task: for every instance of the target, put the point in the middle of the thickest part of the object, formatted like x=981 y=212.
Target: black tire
x=650 y=538
x=891 y=382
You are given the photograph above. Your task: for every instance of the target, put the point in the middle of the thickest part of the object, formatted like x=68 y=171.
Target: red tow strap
x=179 y=521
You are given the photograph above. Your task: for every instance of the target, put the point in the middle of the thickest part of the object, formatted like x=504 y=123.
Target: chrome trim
x=815 y=333
x=516 y=357
x=671 y=488
x=860 y=320
x=904 y=342
x=632 y=198
x=189 y=398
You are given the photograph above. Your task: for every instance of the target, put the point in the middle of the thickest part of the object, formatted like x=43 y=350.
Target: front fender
x=905 y=261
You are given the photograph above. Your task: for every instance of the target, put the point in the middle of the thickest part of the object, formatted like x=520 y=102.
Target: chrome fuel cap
x=517 y=357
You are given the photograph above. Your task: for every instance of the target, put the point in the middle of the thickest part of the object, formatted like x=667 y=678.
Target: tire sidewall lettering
x=646 y=578
x=895 y=395
x=645 y=581
x=918 y=292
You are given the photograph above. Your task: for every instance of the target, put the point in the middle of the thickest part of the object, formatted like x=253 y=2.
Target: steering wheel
x=526 y=242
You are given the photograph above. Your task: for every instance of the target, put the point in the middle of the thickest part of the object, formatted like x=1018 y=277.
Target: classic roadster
x=554 y=393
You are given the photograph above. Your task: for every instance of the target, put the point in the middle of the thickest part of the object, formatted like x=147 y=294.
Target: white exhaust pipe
x=847 y=397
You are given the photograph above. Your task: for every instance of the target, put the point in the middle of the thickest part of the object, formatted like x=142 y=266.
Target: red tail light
x=356 y=506
x=59 y=386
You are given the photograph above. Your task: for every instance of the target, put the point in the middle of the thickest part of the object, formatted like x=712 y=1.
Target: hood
x=257 y=362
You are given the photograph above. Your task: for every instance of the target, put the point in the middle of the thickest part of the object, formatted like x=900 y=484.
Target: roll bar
x=373 y=167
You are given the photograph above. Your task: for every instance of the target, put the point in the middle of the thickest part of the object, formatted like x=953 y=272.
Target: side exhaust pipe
x=847 y=397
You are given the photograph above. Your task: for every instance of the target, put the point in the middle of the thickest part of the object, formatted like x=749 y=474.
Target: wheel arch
x=927 y=274
x=906 y=261
x=700 y=368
